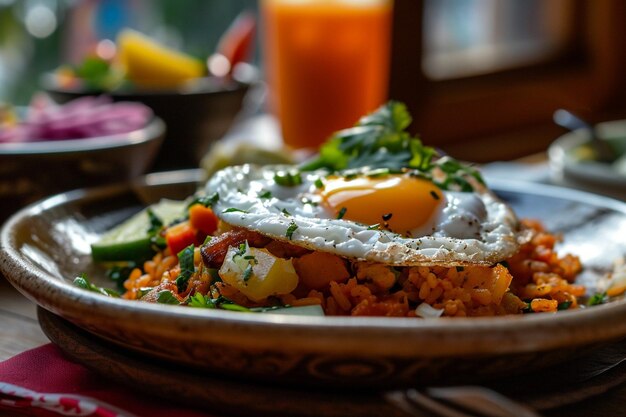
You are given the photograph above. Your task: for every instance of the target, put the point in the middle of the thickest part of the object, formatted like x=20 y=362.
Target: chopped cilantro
x=564 y=305
x=342 y=213
x=285 y=212
x=379 y=140
x=143 y=291
x=247 y=273
x=288 y=178
x=374 y=227
x=187 y=267
x=200 y=301
x=265 y=194
x=597 y=298
x=166 y=297
x=83 y=282
x=233 y=210
x=318 y=183
x=380 y=144
x=292 y=228
x=243 y=248
x=206 y=201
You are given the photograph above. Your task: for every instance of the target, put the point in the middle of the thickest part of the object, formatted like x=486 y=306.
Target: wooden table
x=19 y=329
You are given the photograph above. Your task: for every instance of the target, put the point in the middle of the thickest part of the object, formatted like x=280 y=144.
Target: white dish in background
x=600 y=177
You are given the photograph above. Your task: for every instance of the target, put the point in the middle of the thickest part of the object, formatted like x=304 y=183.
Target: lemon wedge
x=152 y=65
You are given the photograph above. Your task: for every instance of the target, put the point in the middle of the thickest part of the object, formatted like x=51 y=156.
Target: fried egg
x=397 y=219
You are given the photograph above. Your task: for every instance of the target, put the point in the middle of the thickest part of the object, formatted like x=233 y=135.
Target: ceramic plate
x=46 y=245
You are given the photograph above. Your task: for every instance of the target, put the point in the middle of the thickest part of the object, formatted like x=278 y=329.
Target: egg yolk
x=398 y=203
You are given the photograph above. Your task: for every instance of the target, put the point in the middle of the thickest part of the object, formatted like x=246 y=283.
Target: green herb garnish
x=288 y=178
x=247 y=273
x=206 y=201
x=285 y=212
x=200 y=301
x=374 y=227
x=292 y=228
x=83 y=282
x=166 y=297
x=318 y=183
x=379 y=140
x=265 y=194
x=234 y=210
x=143 y=291
x=187 y=267
x=342 y=213
x=379 y=144
x=597 y=299
x=564 y=305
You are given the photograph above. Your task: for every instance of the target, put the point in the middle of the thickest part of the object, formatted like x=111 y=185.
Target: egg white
x=472 y=228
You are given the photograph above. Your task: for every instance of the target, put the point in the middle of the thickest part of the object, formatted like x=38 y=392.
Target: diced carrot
x=179 y=236
x=203 y=219
x=543 y=305
x=317 y=269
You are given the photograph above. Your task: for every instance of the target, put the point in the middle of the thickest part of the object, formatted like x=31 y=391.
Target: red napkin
x=42 y=382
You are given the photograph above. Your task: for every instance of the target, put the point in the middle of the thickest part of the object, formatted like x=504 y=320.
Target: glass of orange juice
x=326 y=62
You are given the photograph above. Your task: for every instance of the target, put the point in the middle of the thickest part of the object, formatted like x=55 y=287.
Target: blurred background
x=481 y=77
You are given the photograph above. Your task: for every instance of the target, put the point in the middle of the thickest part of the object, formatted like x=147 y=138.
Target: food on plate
x=376 y=225
x=85 y=117
x=585 y=153
x=137 y=60
x=150 y=64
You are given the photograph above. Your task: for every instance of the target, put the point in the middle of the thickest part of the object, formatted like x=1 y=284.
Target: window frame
x=508 y=114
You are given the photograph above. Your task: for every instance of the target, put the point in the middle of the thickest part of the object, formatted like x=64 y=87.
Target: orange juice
x=327 y=63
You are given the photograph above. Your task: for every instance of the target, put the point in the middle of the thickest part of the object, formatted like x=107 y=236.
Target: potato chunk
x=257 y=273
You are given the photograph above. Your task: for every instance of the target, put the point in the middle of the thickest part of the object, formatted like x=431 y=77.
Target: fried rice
x=535 y=279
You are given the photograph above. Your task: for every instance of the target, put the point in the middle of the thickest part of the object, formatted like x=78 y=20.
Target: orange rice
x=535 y=279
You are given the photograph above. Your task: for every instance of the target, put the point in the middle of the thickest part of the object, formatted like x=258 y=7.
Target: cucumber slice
x=129 y=241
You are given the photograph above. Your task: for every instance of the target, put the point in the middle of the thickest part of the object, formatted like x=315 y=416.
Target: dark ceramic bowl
x=195 y=115
x=33 y=170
